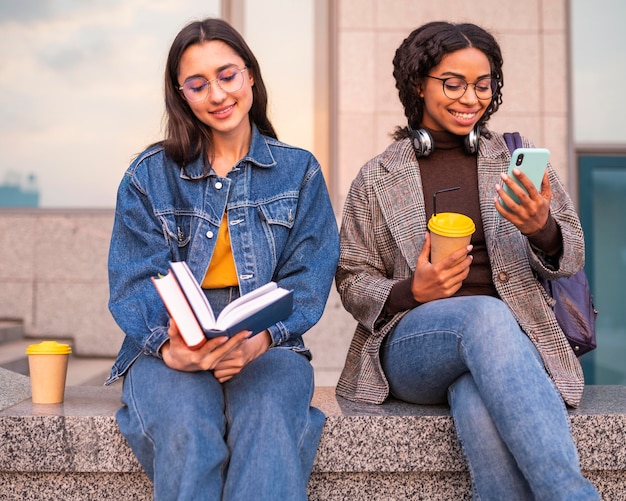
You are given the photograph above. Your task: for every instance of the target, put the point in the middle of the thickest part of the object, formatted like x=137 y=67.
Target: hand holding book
x=188 y=306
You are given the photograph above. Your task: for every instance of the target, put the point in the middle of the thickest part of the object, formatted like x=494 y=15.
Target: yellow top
x=222 y=271
x=48 y=348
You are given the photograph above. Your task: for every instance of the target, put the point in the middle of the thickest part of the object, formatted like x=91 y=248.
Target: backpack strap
x=513 y=140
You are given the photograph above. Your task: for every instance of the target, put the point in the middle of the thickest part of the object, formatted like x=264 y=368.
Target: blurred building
x=337 y=56
x=14 y=193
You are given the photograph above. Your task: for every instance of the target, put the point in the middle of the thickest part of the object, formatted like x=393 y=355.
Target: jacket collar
x=259 y=155
x=402 y=200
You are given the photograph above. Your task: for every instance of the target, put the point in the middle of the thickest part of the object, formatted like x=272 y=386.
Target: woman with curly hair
x=475 y=329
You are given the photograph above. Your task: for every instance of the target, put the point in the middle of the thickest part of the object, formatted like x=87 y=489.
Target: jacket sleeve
x=137 y=252
x=572 y=257
x=309 y=257
x=362 y=278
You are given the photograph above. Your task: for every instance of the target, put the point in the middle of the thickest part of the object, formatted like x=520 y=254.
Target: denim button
x=218 y=185
x=209 y=234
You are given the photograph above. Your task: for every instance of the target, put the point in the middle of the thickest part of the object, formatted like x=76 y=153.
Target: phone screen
x=532 y=162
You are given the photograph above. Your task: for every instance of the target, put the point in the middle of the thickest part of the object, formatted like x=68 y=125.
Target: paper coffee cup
x=47 y=363
x=449 y=232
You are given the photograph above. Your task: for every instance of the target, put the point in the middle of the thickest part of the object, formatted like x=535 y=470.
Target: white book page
x=245 y=298
x=195 y=295
x=179 y=309
x=249 y=307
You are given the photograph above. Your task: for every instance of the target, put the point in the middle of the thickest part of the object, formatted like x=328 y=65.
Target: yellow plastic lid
x=451 y=224
x=49 y=348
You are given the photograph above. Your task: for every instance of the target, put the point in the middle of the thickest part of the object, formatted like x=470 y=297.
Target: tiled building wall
x=533 y=37
x=53 y=278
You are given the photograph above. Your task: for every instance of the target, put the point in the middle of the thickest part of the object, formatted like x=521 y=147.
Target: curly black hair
x=424 y=48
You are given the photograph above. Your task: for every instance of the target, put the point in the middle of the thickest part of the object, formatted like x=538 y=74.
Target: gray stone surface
x=395 y=451
x=13 y=388
x=390 y=486
x=387 y=438
x=87 y=486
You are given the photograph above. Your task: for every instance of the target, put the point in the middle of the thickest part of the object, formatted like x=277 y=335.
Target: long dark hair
x=186 y=137
x=424 y=48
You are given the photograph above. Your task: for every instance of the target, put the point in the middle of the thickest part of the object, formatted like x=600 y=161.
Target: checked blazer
x=382 y=233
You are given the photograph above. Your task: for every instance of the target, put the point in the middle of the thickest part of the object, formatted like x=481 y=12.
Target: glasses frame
x=467 y=84
x=209 y=82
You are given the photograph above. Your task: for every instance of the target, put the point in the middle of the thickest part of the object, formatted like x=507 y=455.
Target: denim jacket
x=281 y=223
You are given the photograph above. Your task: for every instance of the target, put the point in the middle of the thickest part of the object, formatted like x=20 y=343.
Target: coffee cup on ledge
x=47 y=363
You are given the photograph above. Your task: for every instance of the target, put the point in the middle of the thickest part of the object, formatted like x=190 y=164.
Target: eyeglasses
x=455 y=87
x=196 y=89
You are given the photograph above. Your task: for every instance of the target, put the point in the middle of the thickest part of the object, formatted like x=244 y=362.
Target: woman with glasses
x=233 y=418
x=475 y=329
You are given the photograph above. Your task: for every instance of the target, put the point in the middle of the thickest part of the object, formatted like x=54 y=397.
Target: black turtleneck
x=449 y=165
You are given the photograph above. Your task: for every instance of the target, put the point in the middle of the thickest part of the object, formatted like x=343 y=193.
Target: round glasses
x=196 y=89
x=455 y=87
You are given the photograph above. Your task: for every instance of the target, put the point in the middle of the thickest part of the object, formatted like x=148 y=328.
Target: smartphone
x=532 y=162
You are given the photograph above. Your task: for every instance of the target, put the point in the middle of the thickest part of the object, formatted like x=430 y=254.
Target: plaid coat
x=382 y=233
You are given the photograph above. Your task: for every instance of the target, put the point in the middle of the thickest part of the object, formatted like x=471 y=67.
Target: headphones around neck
x=424 y=145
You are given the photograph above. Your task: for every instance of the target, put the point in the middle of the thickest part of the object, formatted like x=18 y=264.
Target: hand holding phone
x=533 y=163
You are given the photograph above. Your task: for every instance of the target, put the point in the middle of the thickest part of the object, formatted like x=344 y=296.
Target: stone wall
x=533 y=36
x=53 y=270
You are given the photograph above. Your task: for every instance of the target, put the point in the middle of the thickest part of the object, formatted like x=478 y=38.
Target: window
x=598 y=45
x=81 y=87
x=603 y=189
x=598 y=40
x=295 y=61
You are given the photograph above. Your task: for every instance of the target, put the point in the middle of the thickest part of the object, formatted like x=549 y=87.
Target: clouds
x=81 y=89
x=24 y=12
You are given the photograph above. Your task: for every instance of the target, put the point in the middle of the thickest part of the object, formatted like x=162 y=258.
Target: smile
x=223 y=111
x=463 y=116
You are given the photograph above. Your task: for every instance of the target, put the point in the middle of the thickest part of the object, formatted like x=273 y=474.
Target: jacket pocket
x=278 y=217
x=177 y=228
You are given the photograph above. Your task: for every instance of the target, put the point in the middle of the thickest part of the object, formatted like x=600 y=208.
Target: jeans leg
x=524 y=404
x=174 y=422
x=438 y=342
x=492 y=466
x=273 y=430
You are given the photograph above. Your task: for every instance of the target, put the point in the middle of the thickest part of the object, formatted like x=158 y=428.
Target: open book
x=188 y=306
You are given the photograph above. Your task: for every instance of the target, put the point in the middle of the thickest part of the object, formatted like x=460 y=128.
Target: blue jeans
x=253 y=437
x=510 y=419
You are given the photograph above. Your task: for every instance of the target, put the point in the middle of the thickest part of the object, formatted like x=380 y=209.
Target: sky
x=81 y=83
x=81 y=90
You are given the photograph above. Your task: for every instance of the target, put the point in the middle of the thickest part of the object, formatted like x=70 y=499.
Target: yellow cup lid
x=451 y=224
x=49 y=348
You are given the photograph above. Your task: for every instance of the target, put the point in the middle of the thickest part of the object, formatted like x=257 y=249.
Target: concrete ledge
x=74 y=451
